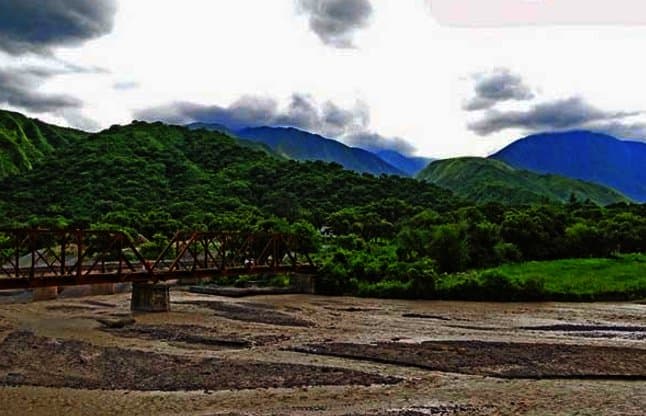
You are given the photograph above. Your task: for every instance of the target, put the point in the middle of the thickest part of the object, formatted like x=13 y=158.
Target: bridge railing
x=78 y=253
x=44 y=257
x=222 y=251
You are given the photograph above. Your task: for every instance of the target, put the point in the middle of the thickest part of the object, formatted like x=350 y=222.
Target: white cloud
x=410 y=71
x=492 y=13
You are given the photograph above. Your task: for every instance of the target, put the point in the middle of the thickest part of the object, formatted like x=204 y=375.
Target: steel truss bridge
x=34 y=258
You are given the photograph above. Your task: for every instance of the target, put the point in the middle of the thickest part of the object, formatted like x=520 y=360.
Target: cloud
x=492 y=13
x=246 y=111
x=38 y=26
x=349 y=125
x=623 y=130
x=375 y=142
x=335 y=21
x=18 y=88
x=497 y=86
x=78 y=120
x=125 y=85
x=559 y=114
x=251 y=111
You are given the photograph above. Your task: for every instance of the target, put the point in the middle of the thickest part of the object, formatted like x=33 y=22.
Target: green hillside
x=158 y=178
x=24 y=141
x=487 y=180
x=390 y=235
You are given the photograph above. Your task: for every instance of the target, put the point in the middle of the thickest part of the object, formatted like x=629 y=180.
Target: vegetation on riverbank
x=382 y=236
x=591 y=279
x=588 y=279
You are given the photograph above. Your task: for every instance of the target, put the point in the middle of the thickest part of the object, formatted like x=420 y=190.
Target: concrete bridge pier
x=303 y=283
x=150 y=297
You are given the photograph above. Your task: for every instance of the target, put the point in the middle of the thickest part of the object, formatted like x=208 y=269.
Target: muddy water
x=265 y=334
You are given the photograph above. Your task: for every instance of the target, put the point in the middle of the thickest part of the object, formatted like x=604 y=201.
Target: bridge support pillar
x=150 y=297
x=303 y=283
x=44 y=293
x=103 y=289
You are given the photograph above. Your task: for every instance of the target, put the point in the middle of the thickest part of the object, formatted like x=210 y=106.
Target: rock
x=116 y=323
x=15 y=378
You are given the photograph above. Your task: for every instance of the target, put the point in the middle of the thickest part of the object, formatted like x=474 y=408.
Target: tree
x=449 y=248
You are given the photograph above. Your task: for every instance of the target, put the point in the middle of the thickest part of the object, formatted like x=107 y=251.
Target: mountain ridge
x=584 y=155
x=153 y=177
x=410 y=165
x=305 y=146
x=489 y=180
x=24 y=141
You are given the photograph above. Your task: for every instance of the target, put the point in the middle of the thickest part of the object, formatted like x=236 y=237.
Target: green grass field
x=622 y=278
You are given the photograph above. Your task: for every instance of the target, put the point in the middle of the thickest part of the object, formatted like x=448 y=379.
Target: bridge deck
x=45 y=258
x=134 y=277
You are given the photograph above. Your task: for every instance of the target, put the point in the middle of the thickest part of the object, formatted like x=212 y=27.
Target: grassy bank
x=581 y=279
x=595 y=279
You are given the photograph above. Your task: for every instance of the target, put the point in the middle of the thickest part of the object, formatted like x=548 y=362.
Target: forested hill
x=487 y=180
x=24 y=141
x=158 y=178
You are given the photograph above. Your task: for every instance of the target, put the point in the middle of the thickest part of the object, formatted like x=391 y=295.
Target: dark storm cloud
x=18 y=88
x=250 y=111
x=497 y=86
x=39 y=25
x=375 y=142
x=335 y=21
x=555 y=115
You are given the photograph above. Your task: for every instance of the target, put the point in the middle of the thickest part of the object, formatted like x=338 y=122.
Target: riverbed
x=313 y=355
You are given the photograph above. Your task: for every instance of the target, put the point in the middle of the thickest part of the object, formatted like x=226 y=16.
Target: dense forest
x=385 y=235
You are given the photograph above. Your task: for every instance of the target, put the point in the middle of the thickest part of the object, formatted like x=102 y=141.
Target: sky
x=437 y=78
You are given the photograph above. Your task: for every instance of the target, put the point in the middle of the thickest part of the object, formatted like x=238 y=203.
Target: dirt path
x=214 y=355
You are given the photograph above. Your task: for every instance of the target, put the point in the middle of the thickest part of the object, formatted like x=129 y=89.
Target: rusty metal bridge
x=35 y=258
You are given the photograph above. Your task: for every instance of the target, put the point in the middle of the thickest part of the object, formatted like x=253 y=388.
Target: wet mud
x=195 y=335
x=249 y=312
x=38 y=361
x=500 y=359
x=321 y=356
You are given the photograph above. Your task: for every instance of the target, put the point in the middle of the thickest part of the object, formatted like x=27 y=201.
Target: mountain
x=584 y=155
x=151 y=177
x=489 y=180
x=301 y=145
x=24 y=141
x=217 y=127
x=410 y=165
x=222 y=129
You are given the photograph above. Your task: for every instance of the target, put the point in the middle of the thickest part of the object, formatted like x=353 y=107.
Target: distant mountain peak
x=581 y=154
x=411 y=165
x=302 y=145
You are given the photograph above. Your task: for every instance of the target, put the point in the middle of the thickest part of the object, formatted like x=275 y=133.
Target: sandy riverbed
x=299 y=354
